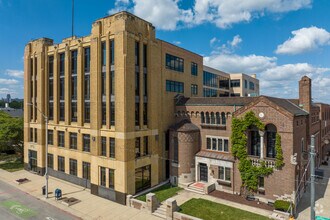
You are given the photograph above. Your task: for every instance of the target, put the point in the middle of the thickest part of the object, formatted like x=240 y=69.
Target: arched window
x=218 y=120
x=207 y=118
x=223 y=118
x=271 y=139
x=212 y=118
x=202 y=118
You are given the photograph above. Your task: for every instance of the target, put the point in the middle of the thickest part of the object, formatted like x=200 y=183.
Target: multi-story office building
x=217 y=83
x=109 y=101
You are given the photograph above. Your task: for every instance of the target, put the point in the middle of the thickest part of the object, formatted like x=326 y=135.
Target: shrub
x=282 y=205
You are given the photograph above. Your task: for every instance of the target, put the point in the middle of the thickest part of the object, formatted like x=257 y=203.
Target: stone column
x=151 y=202
x=171 y=207
x=128 y=200
x=261 y=133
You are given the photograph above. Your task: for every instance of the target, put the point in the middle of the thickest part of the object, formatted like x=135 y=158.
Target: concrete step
x=195 y=191
x=160 y=215
x=196 y=188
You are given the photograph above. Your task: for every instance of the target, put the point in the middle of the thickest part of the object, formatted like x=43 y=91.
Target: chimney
x=305 y=93
x=6 y=105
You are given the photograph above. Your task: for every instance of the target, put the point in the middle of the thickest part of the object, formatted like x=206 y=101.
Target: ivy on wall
x=249 y=173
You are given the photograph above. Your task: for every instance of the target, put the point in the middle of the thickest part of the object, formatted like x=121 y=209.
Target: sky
x=279 y=40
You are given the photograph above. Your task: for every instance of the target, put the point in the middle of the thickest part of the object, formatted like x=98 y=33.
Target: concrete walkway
x=90 y=207
x=184 y=195
x=322 y=198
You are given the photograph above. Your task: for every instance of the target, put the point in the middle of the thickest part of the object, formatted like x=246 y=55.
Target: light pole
x=312 y=153
x=46 y=151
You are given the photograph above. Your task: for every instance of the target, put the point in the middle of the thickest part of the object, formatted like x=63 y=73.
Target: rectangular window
x=35 y=135
x=220 y=147
x=73 y=167
x=251 y=85
x=137 y=53
x=103 y=146
x=102 y=176
x=74 y=54
x=235 y=83
x=50 y=137
x=62 y=64
x=146 y=145
x=137 y=83
x=103 y=54
x=261 y=182
x=31 y=135
x=87 y=59
x=145 y=57
x=194 y=89
x=103 y=83
x=73 y=140
x=62 y=88
x=87 y=112
x=145 y=84
x=74 y=87
x=87 y=87
x=74 y=111
x=217 y=144
x=245 y=84
x=86 y=142
x=137 y=147
x=104 y=113
x=137 y=114
x=194 y=69
x=51 y=89
x=174 y=63
x=60 y=163
x=61 y=138
x=86 y=170
x=112 y=147
x=214 y=144
x=225 y=145
x=175 y=150
x=145 y=113
x=142 y=178
x=174 y=86
x=112 y=86
x=50 y=66
x=112 y=52
x=62 y=111
x=111 y=178
x=50 y=161
x=112 y=114
x=225 y=173
x=224 y=84
x=210 y=79
x=208 y=143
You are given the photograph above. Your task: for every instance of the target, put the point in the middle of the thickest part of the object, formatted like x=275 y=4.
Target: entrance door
x=203 y=172
x=33 y=160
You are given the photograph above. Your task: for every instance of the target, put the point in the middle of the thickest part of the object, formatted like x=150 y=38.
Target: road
x=15 y=204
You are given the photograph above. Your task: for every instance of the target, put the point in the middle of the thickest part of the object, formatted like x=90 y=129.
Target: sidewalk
x=184 y=195
x=90 y=207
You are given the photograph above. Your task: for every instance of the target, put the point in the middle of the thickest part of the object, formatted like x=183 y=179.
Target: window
x=261 y=182
x=50 y=137
x=50 y=161
x=145 y=57
x=103 y=54
x=50 y=66
x=202 y=118
x=207 y=118
x=60 y=164
x=86 y=170
x=111 y=178
x=255 y=143
x=175 y=150
x=137 y=83
x=145 y=84
x=51 y=110
x=209 y=92
x=245 y=84
x=61 y=138
x=112 y=86
x=302 y=145
x=194 y=89
x=103 y=146
x=112 y=147
x=174 y=63
x=174 y=86
x=212 y=118
x=87 y=112
x=73 y=140
x=35 y=135
x=145 y=113
x=62 y=111
x=87 y=87
x=194 y=69
x=251 y=85
x=137 y=114
x=217 y=144
x=137 y=147
x=112 y=113
x=74 y=87
x=210 y=79
x=62 y=64
x=102 y=176
x=217 y=118
x=137 y=53
x=104 y=113
x=225 y=173
x=74 y=54
x=271 y=140
x=87 y=59
x=142 y=178
x=235 y=83
x=103 y=83
x=86 y=142
x=146 y=145
x=31 y=135
x=224 y=84
x=223 y=118
x=51 y=89
x=73 y=167
x=74 y=111
x=112 y=52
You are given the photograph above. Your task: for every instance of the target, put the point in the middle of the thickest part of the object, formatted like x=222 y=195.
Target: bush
x=282 y=205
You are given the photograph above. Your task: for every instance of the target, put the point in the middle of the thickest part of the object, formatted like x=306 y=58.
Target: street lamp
x=46 y=152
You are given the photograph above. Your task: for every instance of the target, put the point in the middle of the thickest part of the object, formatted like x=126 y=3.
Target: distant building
x=8 y=98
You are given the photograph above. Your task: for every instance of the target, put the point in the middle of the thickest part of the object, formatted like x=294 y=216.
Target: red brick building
x=201 y=151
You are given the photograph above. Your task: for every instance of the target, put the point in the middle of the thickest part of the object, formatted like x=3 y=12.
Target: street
x=15 y=204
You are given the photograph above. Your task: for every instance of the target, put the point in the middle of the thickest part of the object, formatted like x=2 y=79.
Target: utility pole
x=312 y=153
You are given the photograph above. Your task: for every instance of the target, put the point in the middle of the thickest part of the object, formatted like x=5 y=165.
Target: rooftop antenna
x=72 y=28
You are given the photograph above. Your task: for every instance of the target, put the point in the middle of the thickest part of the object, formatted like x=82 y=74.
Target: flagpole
x=72 y=28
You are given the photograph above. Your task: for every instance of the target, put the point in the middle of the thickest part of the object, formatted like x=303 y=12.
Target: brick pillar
x=171 y=207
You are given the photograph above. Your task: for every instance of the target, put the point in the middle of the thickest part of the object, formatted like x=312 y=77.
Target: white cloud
x=15 y=73
x=236 y=41
x=167 y=15
x=213 y=41
x=8 y=81
x=304 y=39
x=177 y=42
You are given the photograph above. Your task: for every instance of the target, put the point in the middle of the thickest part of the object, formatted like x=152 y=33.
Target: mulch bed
x=240 y=200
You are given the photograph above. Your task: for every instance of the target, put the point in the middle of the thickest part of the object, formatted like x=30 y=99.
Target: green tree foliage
x=279 y=153
x=11 y=133
x=249 y=174
x=16 y=104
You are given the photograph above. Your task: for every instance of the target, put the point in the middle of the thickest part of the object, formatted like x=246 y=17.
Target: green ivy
x=249 y=173
x=279 y=153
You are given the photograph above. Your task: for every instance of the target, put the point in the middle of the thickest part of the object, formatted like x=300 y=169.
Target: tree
x=11 y=133
x=16 y=104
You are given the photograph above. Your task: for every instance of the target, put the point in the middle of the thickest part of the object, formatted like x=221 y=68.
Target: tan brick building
x=109 y=101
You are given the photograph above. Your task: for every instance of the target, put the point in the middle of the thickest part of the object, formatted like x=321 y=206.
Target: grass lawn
x=209 y=210
x=11 y=163
x=162 y=193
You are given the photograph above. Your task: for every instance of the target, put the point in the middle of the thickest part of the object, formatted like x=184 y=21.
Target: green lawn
x=11 y=163
x=162 y=193
x=208 y=210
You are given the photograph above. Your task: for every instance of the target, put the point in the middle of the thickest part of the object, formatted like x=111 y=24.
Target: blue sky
x=279 y=40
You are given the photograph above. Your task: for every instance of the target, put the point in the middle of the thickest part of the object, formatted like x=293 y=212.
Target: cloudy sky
x=279 y=40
